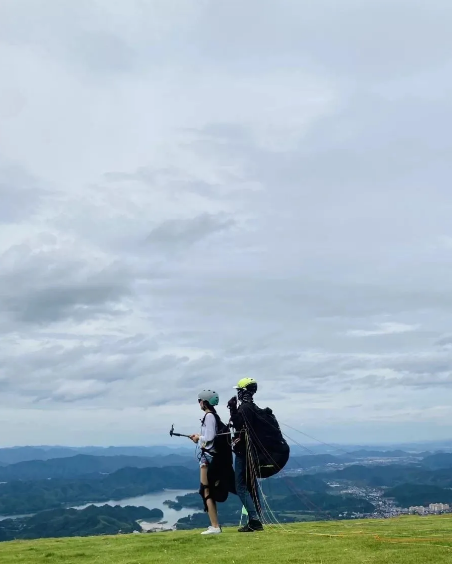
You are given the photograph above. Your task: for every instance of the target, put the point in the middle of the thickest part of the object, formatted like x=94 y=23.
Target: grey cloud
x=143 y=174
x=357 y=227
x=369 y=139
x=36 y=370
x=329 y=370
x=135 y=344
x=43 y=287
x=202 y=373
x=422 y=364
x=73 y=300
x=62 y=32
x=374 y=138
x=375 y=39
x=78 y=299
x=69 y=391
x=175 y=181
x=149 y=176
x=444 y=342
x=178 y=234
x=428 y=381
x=107 y=370
x=103 y=51
x=21 y=195
x=291 y=300
x=263 y=214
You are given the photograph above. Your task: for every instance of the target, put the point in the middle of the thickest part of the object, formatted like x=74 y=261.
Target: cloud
x=177 y=234
x=383 y=329
x=21 y=196
x=286 y=28
x=43 y=284
x=71 y=368
x=445 y=343
x=179 y=209
x=73 y=391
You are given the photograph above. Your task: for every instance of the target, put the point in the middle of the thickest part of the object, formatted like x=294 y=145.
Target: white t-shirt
x=208 y=432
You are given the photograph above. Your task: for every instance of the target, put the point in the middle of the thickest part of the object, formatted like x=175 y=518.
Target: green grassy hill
x=394 y=541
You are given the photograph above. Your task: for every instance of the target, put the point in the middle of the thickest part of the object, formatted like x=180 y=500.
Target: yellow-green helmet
x=249 y=384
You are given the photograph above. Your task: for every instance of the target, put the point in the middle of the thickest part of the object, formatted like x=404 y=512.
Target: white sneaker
x=212 y=531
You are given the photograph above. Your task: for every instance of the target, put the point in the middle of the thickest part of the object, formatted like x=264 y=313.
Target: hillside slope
x=403 y=541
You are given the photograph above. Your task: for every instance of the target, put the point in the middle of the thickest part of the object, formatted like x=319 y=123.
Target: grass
x=401 y=540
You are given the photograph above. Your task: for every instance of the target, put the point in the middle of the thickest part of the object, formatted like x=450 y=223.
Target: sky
x=195 y=191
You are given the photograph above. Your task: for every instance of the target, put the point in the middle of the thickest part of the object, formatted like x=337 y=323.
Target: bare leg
x=211 y=505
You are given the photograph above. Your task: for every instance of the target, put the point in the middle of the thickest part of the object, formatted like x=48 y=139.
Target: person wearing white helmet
x=208 y=399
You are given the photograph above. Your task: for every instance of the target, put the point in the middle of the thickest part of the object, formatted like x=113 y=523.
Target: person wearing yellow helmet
x=242 y=418
x=246 y=387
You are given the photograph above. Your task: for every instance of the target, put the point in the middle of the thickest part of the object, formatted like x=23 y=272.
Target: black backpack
x=220 y=473
x=267 y=446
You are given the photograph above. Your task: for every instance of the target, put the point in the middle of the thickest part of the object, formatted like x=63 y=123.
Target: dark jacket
x=244 y=419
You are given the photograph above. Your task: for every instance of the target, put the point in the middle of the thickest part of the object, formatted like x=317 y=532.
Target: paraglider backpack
x=220 y=473
x=267 y=446
x=221 y=444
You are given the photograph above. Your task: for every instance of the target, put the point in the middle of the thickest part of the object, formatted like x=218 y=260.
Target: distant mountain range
x=14 y=455
x=22 y=454
x=73 y=465
x=391 y=475
x=438 y=460
x=407 y=495
x=88 y=465
x=310 y=461
x=363 y=453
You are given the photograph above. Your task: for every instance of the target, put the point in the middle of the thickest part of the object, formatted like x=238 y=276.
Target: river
x=152 y=501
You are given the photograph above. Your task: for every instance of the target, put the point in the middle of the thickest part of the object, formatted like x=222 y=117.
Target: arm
x=243 y=418
x=237 y=421
x=235 y=418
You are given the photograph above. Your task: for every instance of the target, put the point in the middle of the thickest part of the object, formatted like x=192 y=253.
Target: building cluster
x=432 y=508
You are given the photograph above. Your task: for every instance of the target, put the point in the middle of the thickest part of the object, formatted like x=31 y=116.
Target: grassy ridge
x=395 y=541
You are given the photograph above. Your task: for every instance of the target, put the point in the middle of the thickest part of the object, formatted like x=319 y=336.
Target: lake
x=151 y=501
x=154 y=501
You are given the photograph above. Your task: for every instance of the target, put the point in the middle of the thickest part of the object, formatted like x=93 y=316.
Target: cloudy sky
x=194 y=191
